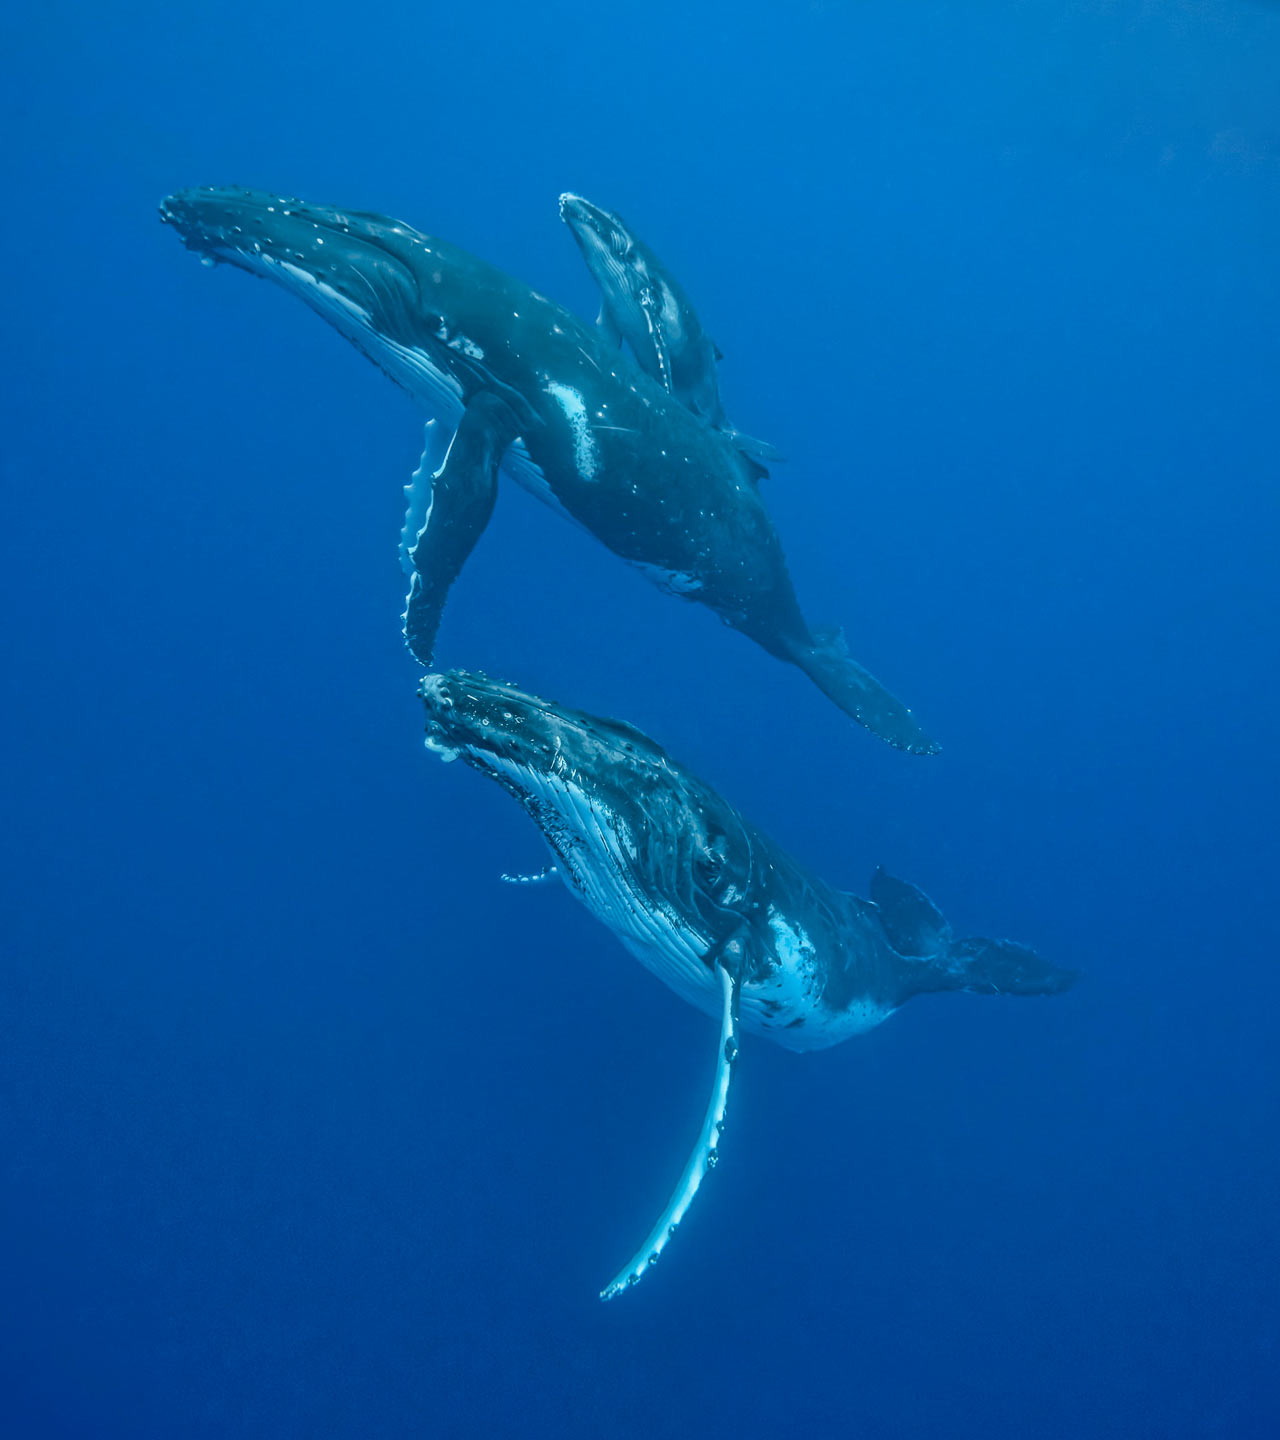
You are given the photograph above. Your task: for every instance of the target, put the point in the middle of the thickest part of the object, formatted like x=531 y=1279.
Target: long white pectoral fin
x=417 y=493
x=704 y=1152
x=458 y=502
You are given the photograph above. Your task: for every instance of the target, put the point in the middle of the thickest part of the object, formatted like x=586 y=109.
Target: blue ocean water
x=308 y=1126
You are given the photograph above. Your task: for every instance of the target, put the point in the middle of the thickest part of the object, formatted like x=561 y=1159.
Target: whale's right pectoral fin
x=462 y=492
x=705 y=1150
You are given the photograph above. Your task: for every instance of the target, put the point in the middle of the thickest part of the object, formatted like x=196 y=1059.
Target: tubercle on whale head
x=491 y=721
x=233 y=219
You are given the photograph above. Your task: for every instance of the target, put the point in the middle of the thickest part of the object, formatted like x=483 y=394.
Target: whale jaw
x=359 y=273
x=583 y=791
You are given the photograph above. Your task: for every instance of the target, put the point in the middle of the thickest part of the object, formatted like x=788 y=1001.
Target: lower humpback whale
x=522 y=384
x=713 y=907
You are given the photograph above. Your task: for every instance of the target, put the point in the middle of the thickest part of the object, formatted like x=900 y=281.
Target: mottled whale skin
x=663 y=860
x=707 y=902
x=642 y=302
x=522 y=384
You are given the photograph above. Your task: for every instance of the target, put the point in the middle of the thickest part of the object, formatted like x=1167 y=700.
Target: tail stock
x=827 y=662
x=917 y=931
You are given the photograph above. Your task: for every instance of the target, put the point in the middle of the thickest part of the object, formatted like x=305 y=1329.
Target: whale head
x=400 y=296
x=618 y=265
x=656 y=854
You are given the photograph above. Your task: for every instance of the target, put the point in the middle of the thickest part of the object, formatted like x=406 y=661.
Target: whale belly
x=786 y=1003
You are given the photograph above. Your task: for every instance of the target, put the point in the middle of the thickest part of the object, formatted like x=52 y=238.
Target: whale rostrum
x=518 y=384
x=706 y=901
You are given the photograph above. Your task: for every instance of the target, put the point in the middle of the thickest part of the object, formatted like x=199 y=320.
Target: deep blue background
x=308 y=1126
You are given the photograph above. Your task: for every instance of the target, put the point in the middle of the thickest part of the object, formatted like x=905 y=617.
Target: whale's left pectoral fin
x=705 y=1151
x=462 y=492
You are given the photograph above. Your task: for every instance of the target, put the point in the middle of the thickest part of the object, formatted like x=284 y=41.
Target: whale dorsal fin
x=705 y=1149
x=913 y=923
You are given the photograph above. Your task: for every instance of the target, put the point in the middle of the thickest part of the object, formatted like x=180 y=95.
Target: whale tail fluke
x=914 y=926
x=827 y=662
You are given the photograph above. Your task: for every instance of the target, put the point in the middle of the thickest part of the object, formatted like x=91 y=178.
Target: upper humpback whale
x=712 y=906
x=642 y=303
x=521 y=383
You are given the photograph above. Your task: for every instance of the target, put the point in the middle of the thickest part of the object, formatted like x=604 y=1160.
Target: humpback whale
x=642 y=303
x=518 y=383
x=706 y=901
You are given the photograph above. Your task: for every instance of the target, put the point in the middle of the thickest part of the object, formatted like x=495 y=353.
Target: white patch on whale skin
x=447 y=753
x=674 y=582
x=586 y=453
x=793 y=987
x=460 y=343
x=792 y=991
x=826 y=1027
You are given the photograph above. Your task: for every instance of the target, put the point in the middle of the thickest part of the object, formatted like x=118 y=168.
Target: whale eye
x=710 y=863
